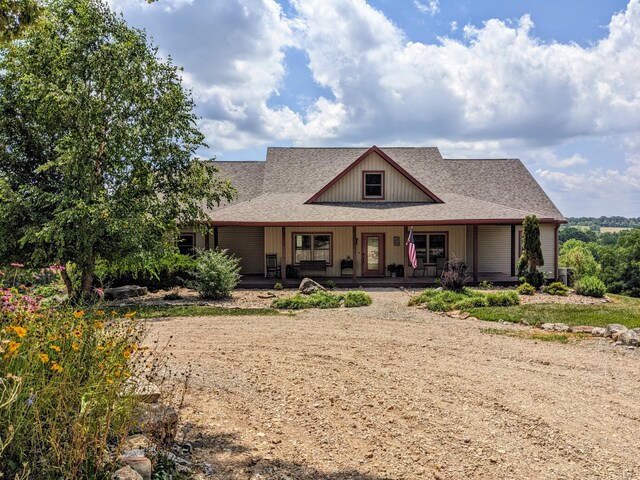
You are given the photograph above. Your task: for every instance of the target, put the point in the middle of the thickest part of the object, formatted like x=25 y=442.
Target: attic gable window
x=373 y=185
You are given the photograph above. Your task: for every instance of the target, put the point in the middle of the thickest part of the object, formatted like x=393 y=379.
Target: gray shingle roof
x=275 y=191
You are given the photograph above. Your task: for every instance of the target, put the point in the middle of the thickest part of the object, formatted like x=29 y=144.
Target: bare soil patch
x=393 y=392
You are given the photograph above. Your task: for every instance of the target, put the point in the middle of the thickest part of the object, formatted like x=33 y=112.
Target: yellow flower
x=98 y=325
x=113 y=312
x=126 y=353
x=75 y=347
x=109 y=381
x=130 y=314
x=100 y=347
x=13 y=346
x=100 y=312
x=44 y=358
x=54 y=347
x=56 y=368
x=21 y=332
x=77 y=333
x=78 y=313
x=117 y=373
x=127 y=374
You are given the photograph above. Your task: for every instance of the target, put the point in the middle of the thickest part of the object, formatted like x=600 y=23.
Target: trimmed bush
x=217 y=273
x=535 y=279
x=590 y=286
x=557 y=288
x=503 y=299
x=323 y=299
x=278 y=286
x=526 y=289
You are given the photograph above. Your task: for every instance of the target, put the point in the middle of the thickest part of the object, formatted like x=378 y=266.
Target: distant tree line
x=612 y=257
x=595 y=223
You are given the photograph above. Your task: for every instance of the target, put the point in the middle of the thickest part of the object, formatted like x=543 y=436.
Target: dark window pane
x=373 y=191
x=185 y=244
x=322 y=242
x=436 y=247
x=373 y=178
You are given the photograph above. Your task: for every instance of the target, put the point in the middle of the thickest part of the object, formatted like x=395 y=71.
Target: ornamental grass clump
x=66 y=378
x=446 y=300
x=557 y=288
x=323 y=299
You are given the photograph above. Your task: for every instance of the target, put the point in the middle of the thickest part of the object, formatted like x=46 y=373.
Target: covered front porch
x=374 y=255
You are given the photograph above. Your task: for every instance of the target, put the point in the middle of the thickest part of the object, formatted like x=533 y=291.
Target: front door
x=373 y=254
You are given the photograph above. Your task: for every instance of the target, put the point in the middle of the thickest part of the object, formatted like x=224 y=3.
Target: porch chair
x=273 y=267
x=421 y=266
x=441 y=262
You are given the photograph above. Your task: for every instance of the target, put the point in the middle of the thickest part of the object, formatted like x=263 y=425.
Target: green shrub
x=535 y=279
x=526 y=289
x=557 y=288
x=331 y=284
x=217 y=273
x=590 y=286
x=455 y=274
x=154 y=271
x=503 y=299
x=64 y=389
x=471 y=302
x=446 y=300
x=356 y=299
x=278 y=286
x=322 y=299
x=485 y=284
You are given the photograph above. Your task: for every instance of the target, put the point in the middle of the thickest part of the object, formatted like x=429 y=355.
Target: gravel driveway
x=389 y=391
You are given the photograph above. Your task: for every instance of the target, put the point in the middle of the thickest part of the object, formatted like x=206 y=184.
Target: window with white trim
x=312 y=246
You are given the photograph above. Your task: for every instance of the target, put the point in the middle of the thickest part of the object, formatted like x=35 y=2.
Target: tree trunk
x=67 y=282
x=86 y=282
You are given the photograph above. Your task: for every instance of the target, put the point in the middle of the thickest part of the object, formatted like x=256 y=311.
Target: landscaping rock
x=136 y=442
x=598 y=331
x=614 y=330
x=308 y=286
x=126 y=473
x=159 y=422
x=555 y=327
x=143 y=390
x=138 y=462
x=122 y=293
x=583 y=329
x=629 y=338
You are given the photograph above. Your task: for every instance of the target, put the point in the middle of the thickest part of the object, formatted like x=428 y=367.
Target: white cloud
x=454 y=26
x=430 y=8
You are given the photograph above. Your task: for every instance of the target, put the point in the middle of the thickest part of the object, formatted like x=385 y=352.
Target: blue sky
x=554 y=83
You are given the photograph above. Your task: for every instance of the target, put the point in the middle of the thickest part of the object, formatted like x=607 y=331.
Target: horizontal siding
x=494 y=249
x=397 y=188
x=246 y=243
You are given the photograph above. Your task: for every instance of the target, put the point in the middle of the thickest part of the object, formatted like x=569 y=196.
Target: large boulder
x=614 y=330
x=308 y=286
x=598 y=331
x=629 y=338
x=122 y=293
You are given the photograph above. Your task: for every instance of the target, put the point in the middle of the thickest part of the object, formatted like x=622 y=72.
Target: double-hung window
x=312 y=246
x=373 y=185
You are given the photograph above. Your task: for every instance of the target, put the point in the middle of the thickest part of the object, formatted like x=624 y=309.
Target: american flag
x=412 y=250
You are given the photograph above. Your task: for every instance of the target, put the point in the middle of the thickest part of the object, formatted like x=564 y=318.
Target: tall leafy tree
x=97 y=144
x=16 y=16
x=531 y=257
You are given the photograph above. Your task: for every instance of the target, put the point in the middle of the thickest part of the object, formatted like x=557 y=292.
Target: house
x=347 y=212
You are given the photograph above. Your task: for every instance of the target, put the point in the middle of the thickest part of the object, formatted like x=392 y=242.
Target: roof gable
x=426 y=194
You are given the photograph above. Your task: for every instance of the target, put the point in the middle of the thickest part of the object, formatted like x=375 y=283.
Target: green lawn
x=623 y=310
x=194 y=311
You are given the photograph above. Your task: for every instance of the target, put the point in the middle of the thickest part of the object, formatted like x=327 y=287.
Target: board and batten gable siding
x=247 y=243
x=397 y=188
x=469 y=248
x=494 y=249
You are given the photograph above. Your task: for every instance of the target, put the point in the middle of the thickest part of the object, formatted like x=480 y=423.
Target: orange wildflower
x=54 y=347
x=56 y=368
x=44 y=358
x=78 y=313
x=20 y=331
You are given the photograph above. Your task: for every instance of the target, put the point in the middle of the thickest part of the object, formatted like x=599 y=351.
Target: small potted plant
x=393 y=269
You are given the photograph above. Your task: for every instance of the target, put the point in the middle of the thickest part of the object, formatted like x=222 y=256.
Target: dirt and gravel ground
x=392 y=392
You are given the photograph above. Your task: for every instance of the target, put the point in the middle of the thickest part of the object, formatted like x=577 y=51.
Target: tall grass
x=65 y=387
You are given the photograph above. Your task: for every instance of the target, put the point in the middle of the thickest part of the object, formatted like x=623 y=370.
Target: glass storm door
x=372 y=254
